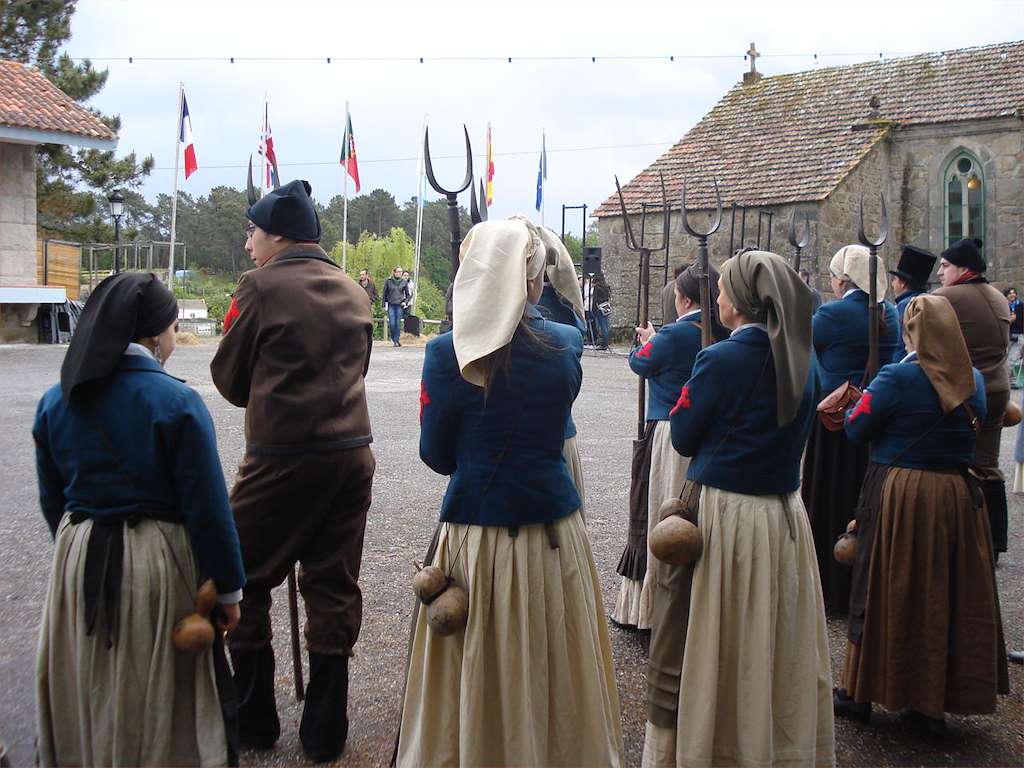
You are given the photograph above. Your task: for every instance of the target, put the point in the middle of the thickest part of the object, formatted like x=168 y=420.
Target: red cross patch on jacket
x=683 y=401
x=424 y=398
x=863 y=406
x=644 y=351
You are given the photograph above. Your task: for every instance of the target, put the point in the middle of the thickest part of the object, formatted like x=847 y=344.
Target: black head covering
x=288 y=211
x=966 y=253
x=688 y=284
x=122 y=308
x=915 y=266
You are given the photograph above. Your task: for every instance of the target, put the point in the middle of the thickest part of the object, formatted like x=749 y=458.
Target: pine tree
x=71 y=184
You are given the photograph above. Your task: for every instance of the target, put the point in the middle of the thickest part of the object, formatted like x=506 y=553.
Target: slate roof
x=29 y=100
x=795 y=137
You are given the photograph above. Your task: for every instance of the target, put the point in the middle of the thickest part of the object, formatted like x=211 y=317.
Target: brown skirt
x=833 y=474
x=932 y=639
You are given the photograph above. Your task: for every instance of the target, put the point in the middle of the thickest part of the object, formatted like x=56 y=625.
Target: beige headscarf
x=489 y=294
x=930 y=323
x=853 y=263
x=562 y=274
x=766 y=289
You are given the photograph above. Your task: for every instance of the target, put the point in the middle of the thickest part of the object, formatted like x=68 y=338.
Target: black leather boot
x=324 y=727
x=844 y=706
x=258 y=726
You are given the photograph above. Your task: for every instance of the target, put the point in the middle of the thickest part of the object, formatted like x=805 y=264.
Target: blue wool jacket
x=551 y=307
x=667 y=362
x=841 y=339
x=164 y=438
x=758 y=457
x=900 y=406
x=504 y=454
x=901 y=306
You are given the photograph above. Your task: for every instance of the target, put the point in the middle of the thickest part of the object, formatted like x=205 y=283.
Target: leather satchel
x=832 y=409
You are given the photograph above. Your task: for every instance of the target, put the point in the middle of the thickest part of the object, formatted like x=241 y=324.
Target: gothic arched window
x=965 y=199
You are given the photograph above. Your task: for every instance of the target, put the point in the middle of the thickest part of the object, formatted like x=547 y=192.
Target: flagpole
x=263 y=141
x=419 y=217
x=344 y=194
x=174 y=198
x=543 y=175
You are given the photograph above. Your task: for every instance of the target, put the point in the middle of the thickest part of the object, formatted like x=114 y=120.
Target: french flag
x=191 y=166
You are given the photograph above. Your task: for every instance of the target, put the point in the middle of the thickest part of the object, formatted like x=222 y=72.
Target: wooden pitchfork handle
x=293 y=616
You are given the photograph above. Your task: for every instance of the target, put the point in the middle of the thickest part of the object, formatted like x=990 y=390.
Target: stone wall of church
x=920 y=157
x=908 y=166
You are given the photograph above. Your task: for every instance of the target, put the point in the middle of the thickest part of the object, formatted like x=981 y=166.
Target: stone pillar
x=17 y=214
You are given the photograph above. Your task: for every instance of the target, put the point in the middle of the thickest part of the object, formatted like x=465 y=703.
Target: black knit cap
x=288 y=211
x=915 y=266
x=966 y=253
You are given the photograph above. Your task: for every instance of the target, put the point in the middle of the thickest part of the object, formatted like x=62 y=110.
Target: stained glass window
x=965 y=199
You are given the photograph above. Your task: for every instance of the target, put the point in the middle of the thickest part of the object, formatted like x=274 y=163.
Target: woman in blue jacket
x=131 y=486
x=665 y=358
x=926 y=633
x=833 y=466
x=755 y=686
x=529 y=679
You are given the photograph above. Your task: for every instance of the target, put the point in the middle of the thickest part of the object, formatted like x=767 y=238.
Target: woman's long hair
x=499 y=362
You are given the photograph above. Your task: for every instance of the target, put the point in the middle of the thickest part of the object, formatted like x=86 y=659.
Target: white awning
x=32 y=294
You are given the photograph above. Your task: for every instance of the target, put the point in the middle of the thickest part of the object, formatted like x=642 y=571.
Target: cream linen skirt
x=756 y=687
x=141 y=702
x=668 y=473
x=571 y=454
x=530 y=679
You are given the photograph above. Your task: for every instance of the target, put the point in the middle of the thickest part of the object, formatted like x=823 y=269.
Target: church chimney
x=753 y=76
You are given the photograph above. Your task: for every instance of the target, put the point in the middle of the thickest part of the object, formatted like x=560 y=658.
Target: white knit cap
x=853 y=263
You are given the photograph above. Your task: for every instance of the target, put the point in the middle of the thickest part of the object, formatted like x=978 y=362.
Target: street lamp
x=116 y=211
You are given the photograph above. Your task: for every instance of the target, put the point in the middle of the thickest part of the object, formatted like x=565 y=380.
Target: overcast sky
x=600 y=118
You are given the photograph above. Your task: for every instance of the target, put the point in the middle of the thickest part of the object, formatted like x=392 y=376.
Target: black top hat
x=966 y=253
x=915 y=266
x=287 y=211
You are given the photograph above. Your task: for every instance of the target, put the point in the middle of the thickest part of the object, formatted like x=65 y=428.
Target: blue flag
x=542 y=171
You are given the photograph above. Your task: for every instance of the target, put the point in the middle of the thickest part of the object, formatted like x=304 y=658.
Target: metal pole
x=174 y=198
x=117 y=242
x=421 y=185
x=344 y=216
x=645 y=285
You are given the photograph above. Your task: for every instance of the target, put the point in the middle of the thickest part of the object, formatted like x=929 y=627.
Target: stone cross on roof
x=753 y=76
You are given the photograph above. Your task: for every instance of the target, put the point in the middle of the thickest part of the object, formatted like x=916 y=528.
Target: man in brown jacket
x=295 y=359
x=985 y=321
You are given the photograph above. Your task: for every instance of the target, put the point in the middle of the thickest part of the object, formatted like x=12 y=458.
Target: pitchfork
x=451 y=195
x=873 y=309
x=702 y=253
x=645 y=277
x=478 y=211
x=801 y=243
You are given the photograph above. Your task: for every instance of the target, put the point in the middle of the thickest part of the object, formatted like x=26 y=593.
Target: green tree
x=32 y=31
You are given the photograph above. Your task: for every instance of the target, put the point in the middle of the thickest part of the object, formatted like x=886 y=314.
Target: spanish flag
x=490 y=168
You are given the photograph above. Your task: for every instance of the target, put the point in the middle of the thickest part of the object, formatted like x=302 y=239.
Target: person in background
x=925 y=632
x=815 y=293
x=367 y=285
x=909 y=279
x=1013 y=357
x=412 y=293
x=984 y=317
x=396 y=296
x=602 y=304
x=131 y=487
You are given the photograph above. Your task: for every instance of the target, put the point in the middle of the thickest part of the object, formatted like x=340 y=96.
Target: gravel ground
x=405 y=508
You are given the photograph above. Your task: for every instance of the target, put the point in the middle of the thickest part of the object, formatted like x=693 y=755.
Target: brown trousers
x=309 y=509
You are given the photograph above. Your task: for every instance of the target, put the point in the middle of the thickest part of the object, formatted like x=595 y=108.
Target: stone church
x=939 y=135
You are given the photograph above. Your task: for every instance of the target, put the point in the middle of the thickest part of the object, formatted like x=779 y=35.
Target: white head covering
x=853 y=263
x=562 y=274
x=489 y=294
